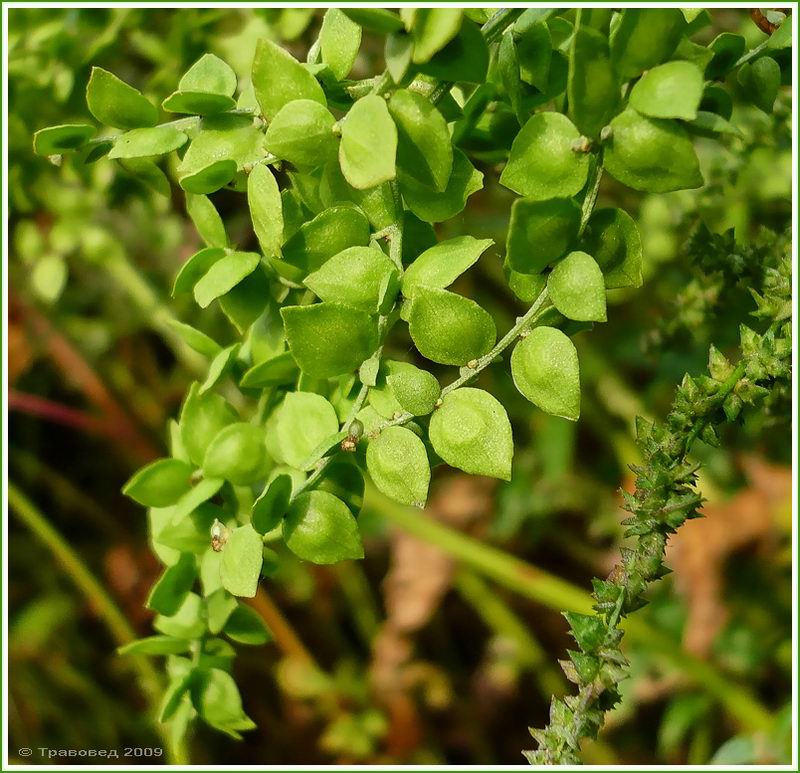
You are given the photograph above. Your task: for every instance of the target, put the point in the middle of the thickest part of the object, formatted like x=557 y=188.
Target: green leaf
x=709 y=124
x=464 y=59
x=207 y=221
x=217 y=700
x=320 y=528
x=246 y=302
x=224 y=275
x=190 y=533
x=671 y=90
x=440 y=265
x=375 y=19
x=612 y=238
x=225 y=144
x=171 y=589
x=220 y=606
x=593 y=88
x=726 y=48
x=273 y=372
x=544 y=366
x=55 y=140
x=471 y=431
x=317 y=240
x=237 y=454
x=415 y=390
x=369 y=144
x=155 y=645
x=302 y=133
x=271 y=506
x=527 y=287
x=340 y=39
x=354 y=277
x=197 y=103
x=186 y=623
x=376 y=203
x=278 y=78
x=209 y=75
x=304 y=420
x=49 y=276
x=761 y=80
x=433 y=207
x=202 y=418
x=448 y=328
x=577 y=289
x=221 y=364
x=540 y=232
x=397 y=53
x=246 y=627
x=782 y=37
x=424 y=149
x=115 y=103
x=534 y=52
x=160 y=483
x=155 y=141
x=266 y=209
x=241 y=561
x=431 y=29
x=645 y=37
x=195 y=268
x=543 y=163
x=329 y=339
x=651 y=154
x=398 y=465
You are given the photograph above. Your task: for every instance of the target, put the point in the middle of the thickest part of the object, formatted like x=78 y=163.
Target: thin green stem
x=592 y=189
x=558 y=594
x=98 y=597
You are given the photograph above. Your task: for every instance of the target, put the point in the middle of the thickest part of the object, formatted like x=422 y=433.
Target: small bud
x=348 y=445
x=472 y=364
x=606 y=133
x=582 y=145
x=219 y=535
x=336 y=129
x=55 y=159
x=356 y=429
x=438 y=404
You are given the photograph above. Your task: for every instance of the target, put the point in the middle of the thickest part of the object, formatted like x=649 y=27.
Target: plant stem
x=99 y=599
x=285 y=636
x=557 y=594
x=592 y=189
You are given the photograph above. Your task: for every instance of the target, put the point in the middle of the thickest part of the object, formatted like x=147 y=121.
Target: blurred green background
x=415 y=657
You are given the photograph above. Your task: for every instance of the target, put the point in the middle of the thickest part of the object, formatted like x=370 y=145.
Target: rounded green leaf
x=220 y=605
x=186 y=623
x=278 y=78
x=171 y=589
x=345 y=481
x=217 y=700
x=329 y=339
x=202 y=418
x=645 y=37
x=196 y=339
x=435 y=207
x=224 y=275
x=375 y=19
x=612 y=238
x=440 y=265
x=155 y=141
x=540 y=232
x=160 y=483
x=424 y=149
x=577 y=289
x=242 y=555
x=593 y=86
x=113 y=102
x=221 y=364
x=195 y=268
x=304 y=420
x=302 y=133
x=209 y=178
x=761 y=80
x=275 y=371
x=543 y=163
x=471 y=431
x=544 y=366
x=369 y=144
x=431 y=29
x=266 y=209
x=340 y=39
x=726 y=48
x=354 y=276
x=464 y=59
x=331 y=231
x=197 y=103
x=237 y=454
x=416 y=390
x=320 y=528
x=270 y=507
x=671 y=90
x=398 y=465
x=209 y=75
x=448 y=328
x=54 y=140
x=651 y=154
x=245 y=626
x=206 y=220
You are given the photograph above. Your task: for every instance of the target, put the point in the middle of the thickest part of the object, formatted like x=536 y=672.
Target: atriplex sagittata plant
x=345 y=181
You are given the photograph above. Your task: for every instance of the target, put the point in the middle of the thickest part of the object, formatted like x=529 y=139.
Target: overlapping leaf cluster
x=345 y=180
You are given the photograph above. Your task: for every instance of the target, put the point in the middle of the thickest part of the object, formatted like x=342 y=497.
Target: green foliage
x=344 y=182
